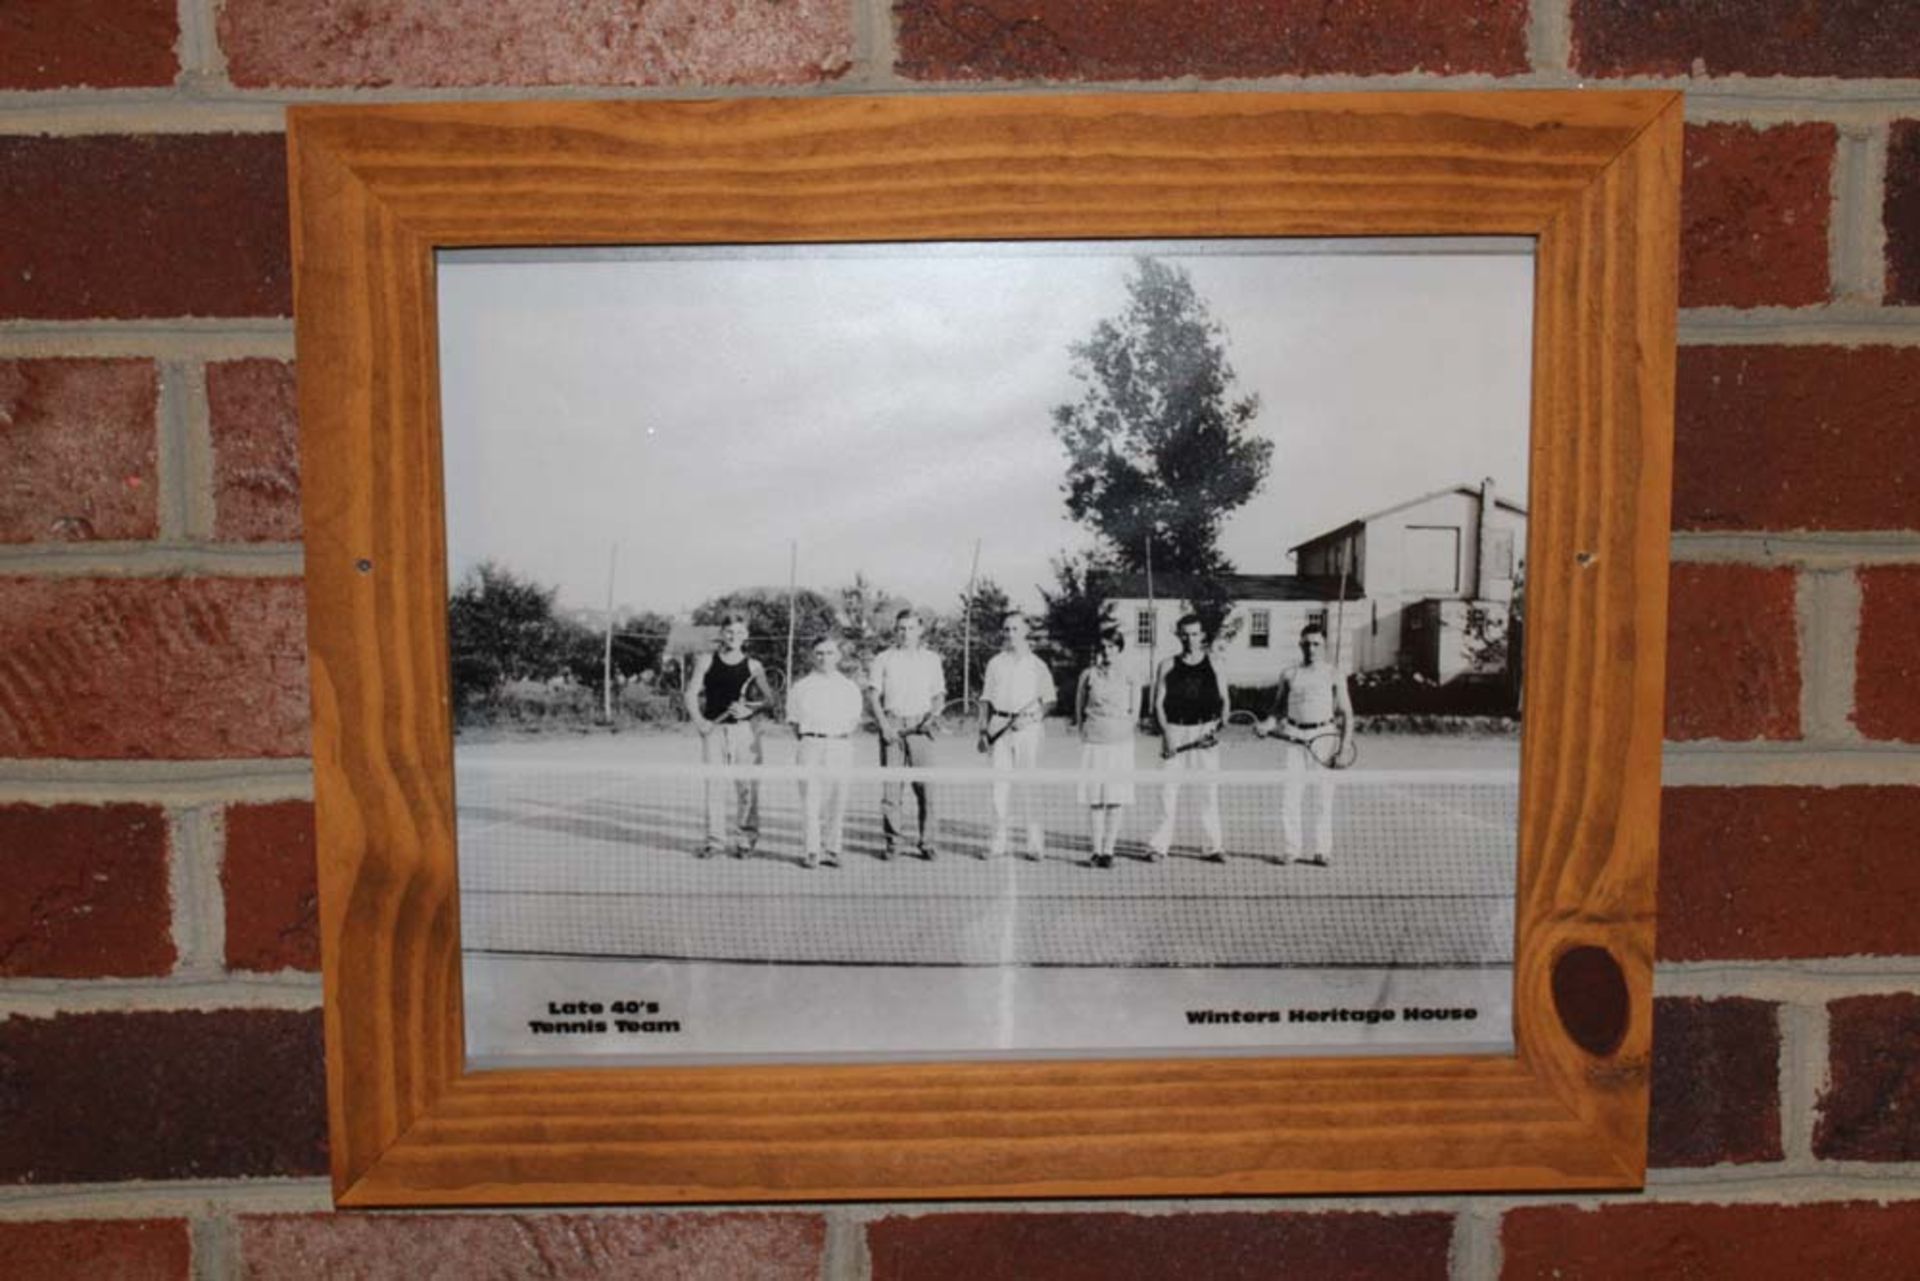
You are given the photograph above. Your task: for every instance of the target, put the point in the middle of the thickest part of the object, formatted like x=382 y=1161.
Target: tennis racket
x=747 y=706
x=1207 y=740
x=1008 y=721
x=1326 y=749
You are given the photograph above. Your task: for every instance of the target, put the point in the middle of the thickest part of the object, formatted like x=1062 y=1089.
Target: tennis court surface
x=570 y=854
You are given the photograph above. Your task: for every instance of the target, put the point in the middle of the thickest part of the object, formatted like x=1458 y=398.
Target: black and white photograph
x=987 y=650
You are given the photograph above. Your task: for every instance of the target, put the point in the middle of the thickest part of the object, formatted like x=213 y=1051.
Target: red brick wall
x=160 y=1080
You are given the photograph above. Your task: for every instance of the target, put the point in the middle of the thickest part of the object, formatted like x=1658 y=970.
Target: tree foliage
x=1159 y=446
x=967 y=638
x=1077 y=607
x=814 y=614
x=500 y=628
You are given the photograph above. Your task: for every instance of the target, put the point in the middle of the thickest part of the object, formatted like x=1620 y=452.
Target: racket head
x=1326 y=750
x=960 y=715
x=1240 y=726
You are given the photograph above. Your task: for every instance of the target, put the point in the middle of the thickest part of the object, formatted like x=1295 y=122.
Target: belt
x=1194 y=724
x=810 y=734
x=1308 y=725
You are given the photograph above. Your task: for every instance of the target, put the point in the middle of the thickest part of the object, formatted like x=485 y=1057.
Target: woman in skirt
x=1104 y=708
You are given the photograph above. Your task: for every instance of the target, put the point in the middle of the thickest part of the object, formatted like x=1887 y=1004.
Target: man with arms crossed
x=907 y=687
x=825 y=708
x=1190 y=704
x=725 y=692
x=1311 y=697
x=1013 y=703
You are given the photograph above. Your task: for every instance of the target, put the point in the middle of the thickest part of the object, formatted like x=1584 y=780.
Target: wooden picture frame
x=1594 y=177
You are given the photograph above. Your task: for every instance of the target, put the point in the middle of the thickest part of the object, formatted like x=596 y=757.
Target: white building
x=1423 y=585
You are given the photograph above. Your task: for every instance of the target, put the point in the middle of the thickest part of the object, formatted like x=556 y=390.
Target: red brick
x=256 y=451
x=174 y=668
x=1902 y=212
x=1796 y=438
x=1120 y=1247
x=272 y=894
x=1777 y=438
x=122 y=1249
x=557 y=1247
x=87 y=1098
x=87 y=892
x=1212 y=39
x=77 y=446
x=122 y=227
x=1753 y=212
x=100 y=44
x=1762 y=873
x=1835 y=1241
x=1733 y=653
x=1746 y=37
x=1716 y=1083
x=1870 y=1109
x=281 y=43
x=1887 y=664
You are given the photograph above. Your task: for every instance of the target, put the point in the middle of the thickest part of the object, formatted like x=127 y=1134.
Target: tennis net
x=593 y=860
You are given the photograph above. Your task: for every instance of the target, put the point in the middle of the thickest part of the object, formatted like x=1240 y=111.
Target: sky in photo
x=883 y=409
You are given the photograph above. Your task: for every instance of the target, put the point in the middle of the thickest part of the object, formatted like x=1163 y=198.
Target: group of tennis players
x=905 y=694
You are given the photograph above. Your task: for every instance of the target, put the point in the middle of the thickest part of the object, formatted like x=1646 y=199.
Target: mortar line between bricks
x=1851 y=217
x=214 y=1258
x=185 y=1198
x=1809 y=981
x=203 y=104
x=154 y=560
x=84 y=785
x=1803 y=1076
x=43 y=998
x=203 y=63
x=190 y=836
x=171 y=466
x=1841 y=324
x=843 y=1255
x=194 y=428
x=1837 y=551
x=873 y=47
x=1550 y=36
x=1827 y=627
x=208 y=906
x=1804 y=764
x=1873 y=250
x=1474 y=1254
x=154 y=339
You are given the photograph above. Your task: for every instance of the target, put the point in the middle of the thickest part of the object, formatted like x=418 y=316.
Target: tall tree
x=1159 y=445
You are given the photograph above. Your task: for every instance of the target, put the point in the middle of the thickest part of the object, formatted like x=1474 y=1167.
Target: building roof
x=1254 y=587
x=1471 y=491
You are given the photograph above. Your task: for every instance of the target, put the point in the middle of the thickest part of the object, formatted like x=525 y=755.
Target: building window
x=1260 y=632
x=1317 y=618
x=1143 y=627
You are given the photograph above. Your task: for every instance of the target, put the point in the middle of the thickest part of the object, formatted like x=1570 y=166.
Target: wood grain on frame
x=376 y=190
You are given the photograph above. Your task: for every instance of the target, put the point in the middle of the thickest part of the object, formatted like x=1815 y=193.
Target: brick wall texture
x=161 y=1064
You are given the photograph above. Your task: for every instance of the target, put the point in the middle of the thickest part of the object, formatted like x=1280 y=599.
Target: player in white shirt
x=907 y=687
x=1017 y=692
x=824 y=707
x=1310 y=697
